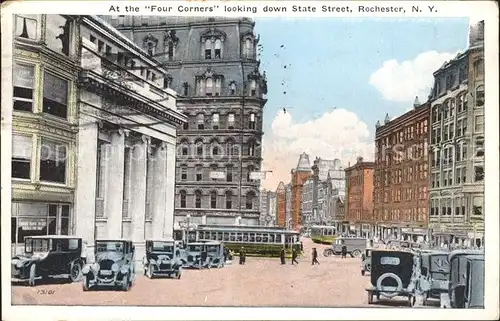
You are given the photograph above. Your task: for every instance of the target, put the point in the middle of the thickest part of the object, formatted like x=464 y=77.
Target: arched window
x=229 y=173
x=199 y=148
x=199 y=173
x=209 y=86
x=197 y=199
x=200 y=119
x=151 y=48
x=248 y=48
x=215 y=149
x=229 y=147
x=480 y=96
x=170 y=50
x=184 y=173
x=249 y=171
x=232 y=88
x=183 y=199
x=253 y=88
x=213 y=199
x=213 y=168
x=218 y=49
x=249 y=200
x=208 y=49
x=251 y=122
x=229 y=200
x=215 y=121
x=251 y=148
x=184 y=147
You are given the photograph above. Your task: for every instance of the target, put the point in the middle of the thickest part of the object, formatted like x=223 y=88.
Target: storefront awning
x=41 y=196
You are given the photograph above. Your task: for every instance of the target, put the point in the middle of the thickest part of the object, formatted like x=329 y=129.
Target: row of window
x=51 y=157
x=449 y=131
x=445 y=155
x=54 y=94
x=445 y=206
x=408 y=133
x=399 y=154
x=401 y=195
x=450 y=80
x=200 y=174
x=399 y=176
x=216 y=150
x=450 y=177
x=446 y=111
x=213 y=86
x=216 y=121
x=407 y=215
x=213 y=200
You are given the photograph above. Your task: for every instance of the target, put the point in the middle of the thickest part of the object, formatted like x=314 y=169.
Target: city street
x=261 y=282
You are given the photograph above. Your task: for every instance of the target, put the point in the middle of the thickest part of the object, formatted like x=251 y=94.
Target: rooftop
x=304 y=164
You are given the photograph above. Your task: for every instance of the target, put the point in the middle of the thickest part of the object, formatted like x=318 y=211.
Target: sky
x=336 y=77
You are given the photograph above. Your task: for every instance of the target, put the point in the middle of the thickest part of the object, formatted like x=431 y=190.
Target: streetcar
x=323 y=234
x=257 y=240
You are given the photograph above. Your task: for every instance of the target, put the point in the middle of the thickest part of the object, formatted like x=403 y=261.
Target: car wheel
x=150 y=272
x=32 y=279
x=85 y=283
x=370 y=297
x=75 y=271
x=356 y=253
x=125 y=283
x=411 y=300
x=327 y=252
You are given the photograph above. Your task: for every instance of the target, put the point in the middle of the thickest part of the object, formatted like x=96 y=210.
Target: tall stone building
x=359 y=197
x=212 y=64
x=307 y=201
x=267 y=207
x=281 y=205
x=457 y=146
x=300 y=174
x=288 y=205
x=401 y=179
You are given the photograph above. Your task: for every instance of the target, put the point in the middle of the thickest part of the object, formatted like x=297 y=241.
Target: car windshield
x=36 y=245
x=109 y=247
x=195 y=248
x=213 y=249
x=162 y=247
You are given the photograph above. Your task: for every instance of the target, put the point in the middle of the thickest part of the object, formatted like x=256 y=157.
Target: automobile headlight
x=95 y=266
x=115 y=267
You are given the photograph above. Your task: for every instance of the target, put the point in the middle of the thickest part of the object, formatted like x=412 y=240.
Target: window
x=185 y=126
x=229 y=200
x=208 y=86
x=478 y=173
x=480 y=96
x=199 y=148
x=167 y=81
x=458 y=175
x=27 y=26
x=201 y=121
x=477 y=208
x=55 y=96
x=218 y=48
x=249 y=200
x=462 y=74
x=218 y=84
x=232 y=88
x=253 y=88
x=108 y=53
x=479 y=146
x=229 y=174
x=170 y=50
x=213 y=199
x=184 y=148
x=53 y=162
x=208 y=49
x=197 y=199
x=249 y=172
x=215 y=121
x=251 y=148
x=458 y=206
x=251 y=123
x=21 y=156
x=183 y=173
x=230 y=121
x=479 y=124
x=100 y=46
x=183 y=199
x=150 y=48
x=229 y=147
x=23 y=80
x=248 y=48
x=478 y=68
x=199 y=173
x=215 y=150
x=213 y=170
x=58 y=33
x=185 y=87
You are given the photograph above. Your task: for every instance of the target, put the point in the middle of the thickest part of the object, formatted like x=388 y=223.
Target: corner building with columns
x=212 y=64
x=126 y=140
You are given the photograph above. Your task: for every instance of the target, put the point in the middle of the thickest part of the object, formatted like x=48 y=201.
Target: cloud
x=336 y=134
x=401 y=82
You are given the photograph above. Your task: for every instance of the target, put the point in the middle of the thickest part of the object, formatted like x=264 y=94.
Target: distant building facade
x=401 y=180
x=212 y=64
x=359 y=198
x=267 y=207
x=307 y=201
x=281 y=218
x=300 y=174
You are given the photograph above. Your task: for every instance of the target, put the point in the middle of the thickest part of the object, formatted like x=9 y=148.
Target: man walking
x=294 y=256
x=242 y=256
x=314 y=256
x=282 y=256
x=301 y=247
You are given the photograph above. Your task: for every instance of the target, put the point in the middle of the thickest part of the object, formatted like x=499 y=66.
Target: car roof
x=213 y=243
x=53 y=237
x=170 y=240
x=462 y=252
x=113 y=240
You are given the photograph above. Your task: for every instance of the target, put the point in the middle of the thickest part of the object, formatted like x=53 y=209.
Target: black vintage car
x=114 y=265
x=391 y=274
x=466 y=279
x=435 y=270
x=48 y=256
x=163 y=258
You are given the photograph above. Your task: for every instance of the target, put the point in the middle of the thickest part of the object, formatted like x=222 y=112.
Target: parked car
x=391 y=275
x=434 y=273
x=215 y=252
x=48 y=256
x=196 y=256
x=355 y=246
x=366 y=261
x=114 y=265
x=163 y=258
x=466 y=279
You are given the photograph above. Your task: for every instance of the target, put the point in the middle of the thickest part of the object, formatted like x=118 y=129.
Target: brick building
x=300 y=174
x=281 y=205
x=359 y=197
x=401 y=179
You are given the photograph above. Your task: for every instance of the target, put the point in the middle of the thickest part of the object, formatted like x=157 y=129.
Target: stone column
x=138 y=182
x=114 y=184
x=159 y=200
x=168 y=225
x=85 y=192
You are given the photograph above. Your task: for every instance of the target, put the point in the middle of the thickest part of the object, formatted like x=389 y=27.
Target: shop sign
x=33 y=224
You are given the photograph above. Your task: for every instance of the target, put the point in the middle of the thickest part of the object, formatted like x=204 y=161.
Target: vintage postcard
x=250 y=160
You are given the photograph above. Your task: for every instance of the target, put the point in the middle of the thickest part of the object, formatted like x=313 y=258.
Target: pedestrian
x=294 y=256
x=344 y=251
x=224 y=252
x=314 y=256
x=242 y=255
x=84 y=252
x=301 y=247
x=282 y=256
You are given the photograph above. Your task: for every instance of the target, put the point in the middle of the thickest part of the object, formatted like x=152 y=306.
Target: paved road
x=261 y=282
